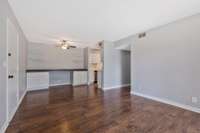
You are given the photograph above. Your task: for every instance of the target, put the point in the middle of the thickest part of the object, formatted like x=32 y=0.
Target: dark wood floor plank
x=86 y=109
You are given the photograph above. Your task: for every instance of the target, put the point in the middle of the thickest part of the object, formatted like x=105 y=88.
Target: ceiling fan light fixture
x=64 y=47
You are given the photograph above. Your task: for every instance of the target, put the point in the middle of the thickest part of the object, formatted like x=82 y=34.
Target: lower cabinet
x=37 y=80
x=79 y=78
x=40 y=80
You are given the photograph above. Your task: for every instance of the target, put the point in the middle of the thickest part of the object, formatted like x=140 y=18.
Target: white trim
x=166 y=101
x=7 y=116
x=4 y=127
x=18 y=104
x=91 y=82
x=115 y=87
x=51 y=85
x=44 y=87
x=6 y=124
x=17 y=75
x=39 y=87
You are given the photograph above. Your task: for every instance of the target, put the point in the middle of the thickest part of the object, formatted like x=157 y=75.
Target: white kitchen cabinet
x=37 y=80
x=80 y=78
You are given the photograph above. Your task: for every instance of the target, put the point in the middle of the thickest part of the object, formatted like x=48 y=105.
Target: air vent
x=141 y=35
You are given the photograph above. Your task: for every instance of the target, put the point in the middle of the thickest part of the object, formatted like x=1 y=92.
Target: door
x=12 y=68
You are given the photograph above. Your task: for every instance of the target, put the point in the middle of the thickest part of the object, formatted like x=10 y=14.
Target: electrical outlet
x=194 y=99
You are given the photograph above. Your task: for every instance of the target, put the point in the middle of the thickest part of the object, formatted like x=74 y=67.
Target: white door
x=12 y=68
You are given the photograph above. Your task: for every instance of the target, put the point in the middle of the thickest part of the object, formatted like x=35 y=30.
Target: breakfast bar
x=38 y=79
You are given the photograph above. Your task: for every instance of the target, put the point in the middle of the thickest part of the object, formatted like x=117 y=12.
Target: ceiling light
x=64 y=47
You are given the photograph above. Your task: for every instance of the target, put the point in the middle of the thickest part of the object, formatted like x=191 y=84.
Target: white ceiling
x=90 y=21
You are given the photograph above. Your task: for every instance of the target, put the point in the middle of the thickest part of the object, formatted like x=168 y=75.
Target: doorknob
x=10 y=76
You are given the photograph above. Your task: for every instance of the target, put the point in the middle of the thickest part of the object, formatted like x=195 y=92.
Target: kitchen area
x=48 y=66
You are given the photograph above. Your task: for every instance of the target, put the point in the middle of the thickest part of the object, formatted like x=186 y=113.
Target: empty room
x=99 y=66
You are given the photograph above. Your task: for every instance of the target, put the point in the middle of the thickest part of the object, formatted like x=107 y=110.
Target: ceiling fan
x=65 y=44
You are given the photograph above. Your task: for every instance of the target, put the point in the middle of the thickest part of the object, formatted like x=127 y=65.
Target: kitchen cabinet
x=37 y=80
x=80 y=78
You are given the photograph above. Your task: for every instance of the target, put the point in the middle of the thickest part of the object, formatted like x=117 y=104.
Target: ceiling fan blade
x=72 y=47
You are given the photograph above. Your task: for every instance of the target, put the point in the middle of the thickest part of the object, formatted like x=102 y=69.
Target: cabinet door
x=84 y=78
x=37 y=80
x=76 y=78
x=79 y=78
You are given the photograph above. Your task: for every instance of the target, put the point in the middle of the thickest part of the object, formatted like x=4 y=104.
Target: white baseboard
x=15 y=110
x=39 y=87
x=166 y=101
x=115 y=87
x=51 y=85
x=6 y=124
x=44 y=87
x=4 y=127
x=90 y=82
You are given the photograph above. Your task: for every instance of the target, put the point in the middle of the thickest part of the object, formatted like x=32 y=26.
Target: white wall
x=44 y=56
x=116 y=66
x=3 y=78
x=22 y=64
x=6 y=13
x=166 y=63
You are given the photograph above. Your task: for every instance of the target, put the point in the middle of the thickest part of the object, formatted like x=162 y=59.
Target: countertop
x=48 y=70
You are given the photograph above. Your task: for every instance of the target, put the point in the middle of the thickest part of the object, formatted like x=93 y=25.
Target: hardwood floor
x=83 y=109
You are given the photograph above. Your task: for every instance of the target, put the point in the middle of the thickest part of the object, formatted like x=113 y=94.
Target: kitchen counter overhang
x=49 y=70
